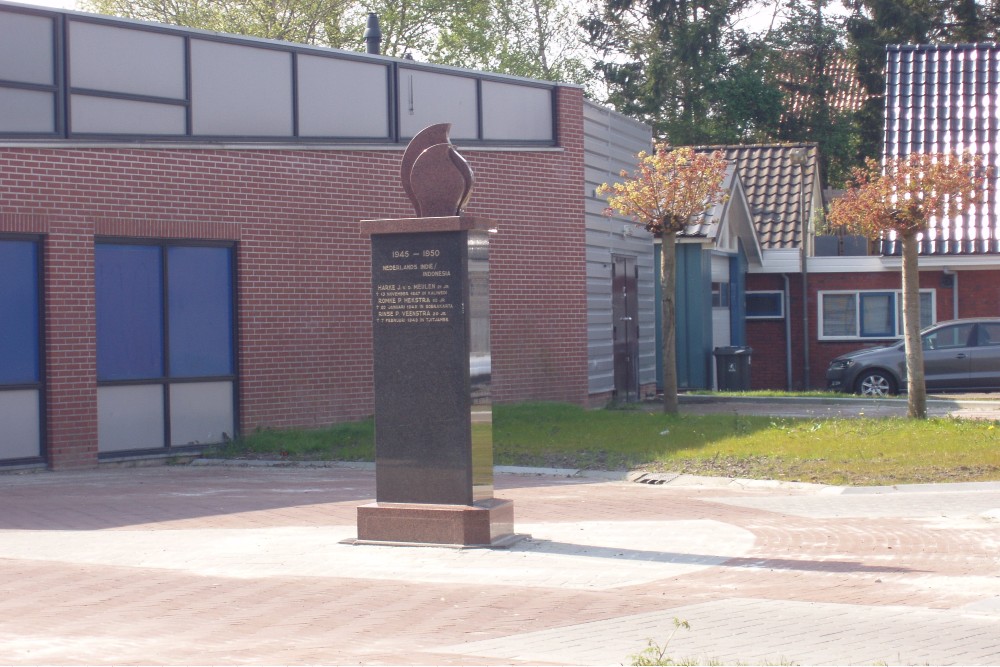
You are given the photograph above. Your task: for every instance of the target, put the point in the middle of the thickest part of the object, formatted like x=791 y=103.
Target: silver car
x=959 y=355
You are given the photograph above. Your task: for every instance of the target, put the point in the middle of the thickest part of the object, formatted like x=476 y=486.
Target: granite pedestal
x=433 y=440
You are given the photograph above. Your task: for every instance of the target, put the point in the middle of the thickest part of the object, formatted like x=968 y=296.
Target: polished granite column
x=433 y=416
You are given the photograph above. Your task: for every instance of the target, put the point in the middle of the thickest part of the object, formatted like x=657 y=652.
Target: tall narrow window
x=840 y=315
x=165 y=361
x=878 y=315
x=20 y=362
x=129 y=296
x=201 y=311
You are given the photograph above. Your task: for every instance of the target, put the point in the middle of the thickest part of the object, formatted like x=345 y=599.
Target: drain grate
x=656 y=478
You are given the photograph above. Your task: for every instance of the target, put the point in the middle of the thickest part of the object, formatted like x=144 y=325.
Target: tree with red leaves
x=901 y=197
x=668 y=188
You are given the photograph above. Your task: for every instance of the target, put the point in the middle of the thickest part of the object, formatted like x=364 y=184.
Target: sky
x=59 y=4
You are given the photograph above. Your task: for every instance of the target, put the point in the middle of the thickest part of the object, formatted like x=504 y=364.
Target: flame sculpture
x=435 y=177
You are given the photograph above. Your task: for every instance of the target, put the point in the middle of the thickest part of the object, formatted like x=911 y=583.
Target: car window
x=947 y=337
x=989 y=333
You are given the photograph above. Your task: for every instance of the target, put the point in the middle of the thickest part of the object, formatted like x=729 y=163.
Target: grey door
x=625 y=320
x=948 y=357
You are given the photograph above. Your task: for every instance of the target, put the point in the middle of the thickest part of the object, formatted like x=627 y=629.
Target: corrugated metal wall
x=610 y=144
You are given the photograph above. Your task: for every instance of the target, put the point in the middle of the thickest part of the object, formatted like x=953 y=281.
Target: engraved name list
x=413 y=286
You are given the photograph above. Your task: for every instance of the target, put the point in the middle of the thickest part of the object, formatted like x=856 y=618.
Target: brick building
x=180 y=255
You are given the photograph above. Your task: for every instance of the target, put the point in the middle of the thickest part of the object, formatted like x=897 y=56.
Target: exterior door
x=625 y=321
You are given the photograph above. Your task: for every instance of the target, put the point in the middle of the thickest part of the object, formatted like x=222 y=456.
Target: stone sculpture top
x=435 y=177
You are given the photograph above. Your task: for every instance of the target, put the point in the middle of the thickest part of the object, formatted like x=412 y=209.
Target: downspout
x=954 y=291
x=788 y=333
x=805 y=313
x=800 y=157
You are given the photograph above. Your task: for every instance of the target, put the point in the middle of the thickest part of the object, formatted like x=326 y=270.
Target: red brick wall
x=303 y=266
x=767 y=340
x=539 y=335
x=979 y=296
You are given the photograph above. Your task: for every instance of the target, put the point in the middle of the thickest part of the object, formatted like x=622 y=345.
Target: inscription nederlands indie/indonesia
x=421 y=292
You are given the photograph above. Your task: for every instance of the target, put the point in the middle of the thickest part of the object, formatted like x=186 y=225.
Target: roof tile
x=943 y=98
x=773 y=185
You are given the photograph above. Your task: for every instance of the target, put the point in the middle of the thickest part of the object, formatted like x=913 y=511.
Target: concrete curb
x=672 y=479
x=956 y=403
x=277 y=463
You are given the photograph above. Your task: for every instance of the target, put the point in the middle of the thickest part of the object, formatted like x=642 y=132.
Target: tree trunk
x=668 y=289
x=916 y=388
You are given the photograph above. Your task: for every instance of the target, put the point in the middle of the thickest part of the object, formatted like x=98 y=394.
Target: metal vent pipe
x=373 y=35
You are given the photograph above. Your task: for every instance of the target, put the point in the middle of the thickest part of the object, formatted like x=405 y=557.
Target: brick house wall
x=303 y=291
x=766 y=338
x=979 y=296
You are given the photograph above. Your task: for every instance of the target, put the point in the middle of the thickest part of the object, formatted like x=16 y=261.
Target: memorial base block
x=488 y=523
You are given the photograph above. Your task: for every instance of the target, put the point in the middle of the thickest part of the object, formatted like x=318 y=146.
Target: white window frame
x=897 y=301
x=781 y=303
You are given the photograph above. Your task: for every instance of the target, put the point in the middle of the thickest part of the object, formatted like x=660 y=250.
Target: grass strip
x=842 y=451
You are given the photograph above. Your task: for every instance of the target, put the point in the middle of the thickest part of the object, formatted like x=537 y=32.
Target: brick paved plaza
x=227 y=565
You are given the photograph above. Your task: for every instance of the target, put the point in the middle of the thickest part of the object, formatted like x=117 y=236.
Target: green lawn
x=832 y=451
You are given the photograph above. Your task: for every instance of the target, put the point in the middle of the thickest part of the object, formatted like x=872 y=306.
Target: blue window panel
x=760 y=305
x=200 y=307
x=19 y=312
x=878 y=315
x=129 y=296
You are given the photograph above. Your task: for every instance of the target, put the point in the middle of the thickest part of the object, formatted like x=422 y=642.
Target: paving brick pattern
x=222 y=565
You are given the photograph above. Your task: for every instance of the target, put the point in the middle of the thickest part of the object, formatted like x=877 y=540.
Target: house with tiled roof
x=814 y=297
x=772 y=282
x=778 y=187
x=712 y=257
x=740 y=276
x=776 y=177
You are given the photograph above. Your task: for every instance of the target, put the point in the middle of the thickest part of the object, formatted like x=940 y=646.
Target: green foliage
x=857 y=451
x=679 y=66
x=751 y=103
x=656 y=654
x=303 y=21
x=409 y=27
x=353 y=441
x=768 y=393
x=694 y=75
x=811 y=48
x=539 y=39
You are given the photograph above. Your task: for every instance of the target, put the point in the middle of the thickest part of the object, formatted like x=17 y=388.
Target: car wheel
x=875 y=383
